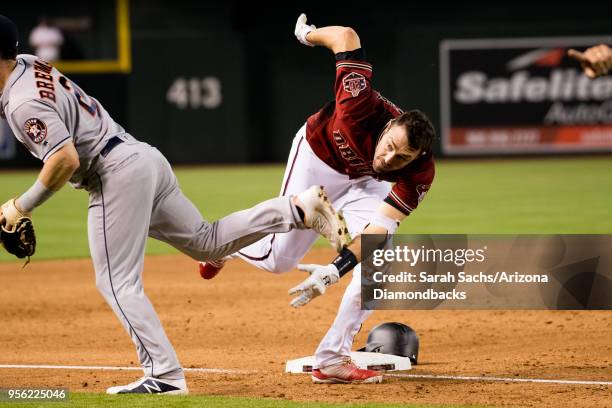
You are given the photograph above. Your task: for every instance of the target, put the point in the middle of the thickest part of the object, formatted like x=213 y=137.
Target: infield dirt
x=52 y=314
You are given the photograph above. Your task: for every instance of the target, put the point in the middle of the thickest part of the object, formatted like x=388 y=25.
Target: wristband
x=345 y=261
x=35 y=196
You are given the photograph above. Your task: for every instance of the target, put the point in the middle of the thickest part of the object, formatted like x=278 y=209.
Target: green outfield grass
x=78 y=400
x=539 y=195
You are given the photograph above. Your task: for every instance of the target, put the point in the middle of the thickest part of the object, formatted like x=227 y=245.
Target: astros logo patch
x=354 y=83
x=36 y=129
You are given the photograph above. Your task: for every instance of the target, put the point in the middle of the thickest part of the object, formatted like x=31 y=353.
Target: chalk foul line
x=501 y=379
x=113 y=368
x=233 y=371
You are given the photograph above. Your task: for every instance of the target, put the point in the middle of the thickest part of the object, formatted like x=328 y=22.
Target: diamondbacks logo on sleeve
x=422 y=189
x=354 y=83
x=36 y=129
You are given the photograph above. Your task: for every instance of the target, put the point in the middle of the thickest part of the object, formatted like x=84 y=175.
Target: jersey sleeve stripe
x=404 y=207
x=353 y=65
x=395 y=205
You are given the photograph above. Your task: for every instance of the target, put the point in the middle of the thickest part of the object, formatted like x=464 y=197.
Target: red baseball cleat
x=345 y=373
x=210 y=269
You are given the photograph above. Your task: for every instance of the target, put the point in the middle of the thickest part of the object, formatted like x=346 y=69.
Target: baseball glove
x=20 y=240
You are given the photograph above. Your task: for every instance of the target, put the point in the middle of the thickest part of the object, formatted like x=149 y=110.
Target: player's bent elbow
x=72 y=158
x=67 y=156
x=72 y=163
x=349 y=34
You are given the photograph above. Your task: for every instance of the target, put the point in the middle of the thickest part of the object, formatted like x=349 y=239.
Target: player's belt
x=110 y=145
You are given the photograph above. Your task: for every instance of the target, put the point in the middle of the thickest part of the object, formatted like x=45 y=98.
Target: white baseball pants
x=358 y=199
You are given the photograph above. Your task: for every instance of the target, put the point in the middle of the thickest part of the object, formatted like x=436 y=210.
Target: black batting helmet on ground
x=394 y=338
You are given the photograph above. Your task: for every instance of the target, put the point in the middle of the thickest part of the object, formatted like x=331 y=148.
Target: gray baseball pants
x=134 y=194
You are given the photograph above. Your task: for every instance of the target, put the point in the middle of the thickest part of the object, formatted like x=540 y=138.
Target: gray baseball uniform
x=132 y=193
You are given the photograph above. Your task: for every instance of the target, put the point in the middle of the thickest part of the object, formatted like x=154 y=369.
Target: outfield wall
x=228 y=83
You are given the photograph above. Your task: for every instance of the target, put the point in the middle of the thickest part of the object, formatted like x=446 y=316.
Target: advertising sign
x=505 y=96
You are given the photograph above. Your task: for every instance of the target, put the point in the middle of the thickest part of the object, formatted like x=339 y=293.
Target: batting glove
x=315 y=285
x=302 y=29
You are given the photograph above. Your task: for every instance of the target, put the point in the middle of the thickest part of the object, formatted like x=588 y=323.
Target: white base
x=371 y=361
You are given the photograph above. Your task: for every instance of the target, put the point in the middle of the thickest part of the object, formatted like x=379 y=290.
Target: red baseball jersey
x=345 y=131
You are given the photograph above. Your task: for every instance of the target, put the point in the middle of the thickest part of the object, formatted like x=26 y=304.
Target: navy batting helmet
x=8 y=38
x=394 y=338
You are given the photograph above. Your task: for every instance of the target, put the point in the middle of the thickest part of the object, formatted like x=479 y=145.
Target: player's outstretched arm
x=596 y=61
x=385 y=221
x=336 y=38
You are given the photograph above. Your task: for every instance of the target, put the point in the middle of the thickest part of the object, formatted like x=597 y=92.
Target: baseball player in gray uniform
x=133 y=193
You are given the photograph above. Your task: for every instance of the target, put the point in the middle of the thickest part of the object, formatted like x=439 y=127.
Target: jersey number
x=85 y=101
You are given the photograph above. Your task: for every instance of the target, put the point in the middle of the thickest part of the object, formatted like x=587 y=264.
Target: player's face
x=393 y=151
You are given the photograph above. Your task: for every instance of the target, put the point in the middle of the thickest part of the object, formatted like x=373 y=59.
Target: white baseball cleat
x=151 y=385
x=320 y=216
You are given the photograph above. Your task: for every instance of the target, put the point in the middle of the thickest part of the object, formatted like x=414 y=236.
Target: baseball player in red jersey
x=376 y=164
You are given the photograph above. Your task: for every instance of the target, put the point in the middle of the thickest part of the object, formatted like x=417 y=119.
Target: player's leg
x=281 y=252
x=177 y=221
x=121 y=199
x=336 y=345
x=361 y=203
x=332 y=358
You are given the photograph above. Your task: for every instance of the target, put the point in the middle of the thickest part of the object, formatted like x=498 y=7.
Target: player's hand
x=321 y=276
x=11 y=213
x=302 y=29
x=596 y=61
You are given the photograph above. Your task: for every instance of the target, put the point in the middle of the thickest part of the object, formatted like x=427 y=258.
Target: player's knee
x=120 y=289
x=128 y=293
x=103 y=286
